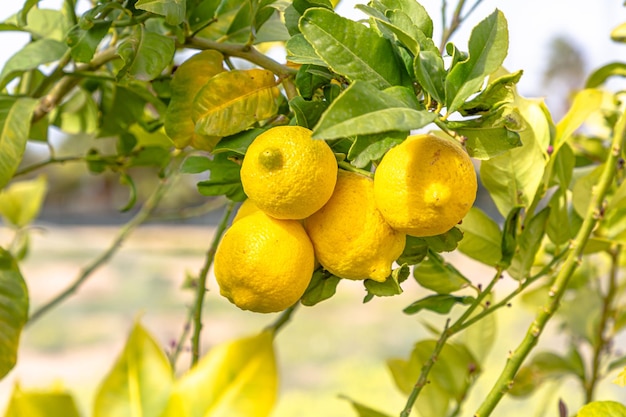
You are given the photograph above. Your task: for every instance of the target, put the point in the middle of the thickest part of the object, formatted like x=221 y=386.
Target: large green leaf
x=413 y=10
x=602 y=409
x=121 y=110
x=362 y=109
x=15 y=115
x=84 y=42
x=600 y=75
x=45 y=23
x=488 y=46
x=173 y=10
x=34 y=54
x=438 y=275
x=139 y=382
x=585 y=102
x=77 y=114
x=528 y=244
x=431 y=74
x=21 y=201
x=13 y=310
x=235 y=379
x=49 y=403
x=481 y=237
x=145 y=55
x=187 y=81
x=224 y=179
x=300 y=51
x=232 y=101
x=351 y=49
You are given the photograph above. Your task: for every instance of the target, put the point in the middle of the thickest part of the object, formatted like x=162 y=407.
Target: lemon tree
x=379 y=153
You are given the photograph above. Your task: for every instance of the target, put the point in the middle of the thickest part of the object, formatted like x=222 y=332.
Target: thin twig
x=201 y=286
x=282 y=319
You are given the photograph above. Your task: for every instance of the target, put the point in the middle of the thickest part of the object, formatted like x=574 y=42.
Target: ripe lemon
x=287 y=174
x=350 y=236
x=425 y=185
x=247 y=207
x=264 y=264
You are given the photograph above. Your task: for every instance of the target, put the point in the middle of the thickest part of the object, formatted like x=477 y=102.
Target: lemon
x=264 y=264
x=350 y=236
x=425 y=185
x=247 y=207
x=287 y=174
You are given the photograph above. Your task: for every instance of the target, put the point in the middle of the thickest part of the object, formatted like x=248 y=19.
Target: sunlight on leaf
x=21 y=201
x=585 y=103
x=173 y=10
x=621 y=379
x=481 y=237
x=235 y=379
x=234 y=100
x=34 y=54
x=50 y=403
x=602 y=409
x=15 y=115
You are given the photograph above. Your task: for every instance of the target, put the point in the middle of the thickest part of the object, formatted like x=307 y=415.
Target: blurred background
x=557 y=43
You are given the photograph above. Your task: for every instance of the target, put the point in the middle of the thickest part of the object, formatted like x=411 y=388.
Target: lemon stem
x=201 y=286
x=283 y=319
x=349 y=167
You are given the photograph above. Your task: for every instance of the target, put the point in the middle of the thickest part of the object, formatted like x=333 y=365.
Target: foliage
x=183 y=87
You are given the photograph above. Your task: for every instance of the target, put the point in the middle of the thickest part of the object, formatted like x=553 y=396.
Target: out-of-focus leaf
x=482 y=238
x=13 y=310
x=21 y=201
x=438 y=275
x=77 y=114
x=363 y=110
x=50 y=403
x=480 y=337
x=621 y=379
x=439 y=303
x=145 y=55
x=123 y=110
x=224 y=179
x=602 y=409
x=587 y=178
x=585 y=102
x=560 y=229
x=84 y=42
x=322 y=286
x=187 y=81
x=32 y=55
x=619 y=33
x=23 y=14
x=45 y=23
x=391 y=286
x=232 y=101
x=363 y=410
x=139 y=382
x=15 y=116
x=599 y=76
x=173 y=10
x=351 y=48
x=528 y=244
x=195 y=165
x=237 y=378
x=488 y=46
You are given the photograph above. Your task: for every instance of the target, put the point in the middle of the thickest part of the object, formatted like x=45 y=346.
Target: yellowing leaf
x=602 y=409
x=585 y=102
x=21 y=201
x=235 y=379
x=140 y=381
x=621 y=379
x=188 y=79
x=232 y=101
x=52 y=403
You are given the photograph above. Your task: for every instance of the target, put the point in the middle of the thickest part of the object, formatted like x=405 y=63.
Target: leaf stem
x=593 y=215
x=349 y=167
x=201 y=286
x=283 y=319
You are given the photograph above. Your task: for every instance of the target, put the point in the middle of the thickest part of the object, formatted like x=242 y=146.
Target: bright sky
x=532 y=25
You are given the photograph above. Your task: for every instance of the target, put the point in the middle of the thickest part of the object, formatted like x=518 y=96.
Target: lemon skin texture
x=247 y=207
x=350 y=236
x=425 y=186
x=287 y=174
x=264 y=264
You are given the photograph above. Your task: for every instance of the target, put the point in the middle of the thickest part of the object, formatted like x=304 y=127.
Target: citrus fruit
x=264 y=264
x=350 y=236
x=287 y=174
x=246 y=208
x=425 y=185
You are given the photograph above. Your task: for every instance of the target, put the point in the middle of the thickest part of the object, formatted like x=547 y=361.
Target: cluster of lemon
x=302 y=209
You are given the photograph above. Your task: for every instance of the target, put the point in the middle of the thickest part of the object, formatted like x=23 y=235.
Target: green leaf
x=239 y=142
x=300 y=51
x=307 y=112
x=322 y=286
x=415 y=250
x=391 y=286
x=431 y=74
x=77 y=114
x=586 y=179
x=145 y=55
x=600 y=75
x=84 y=42
x=363 y=410
x=585 y=102
x=13 y=310
x=139 y=382
x=439 y=303
x=232 y=101
x=15 y=116
x=501 y=89
x=445 y=242
x=224 y=179
x=125 y=109
x=368 y=148
x=49 y=403
x=23 y=14
x=509 y=236
x=351 y=49
x=31 y=56
x=361 y=109
x=482 y=238
x=488 y=46
x=237 y=378
x=46 y=24
x=529 y=242
x=560 y=229
x=173 y=10
x=195 y=165
x=619 y=33
x=21 y=201
x=438 y=275
x=602 y=409
x=311 y=77
x=187 y=81
x=480 y=337
x=492 y=134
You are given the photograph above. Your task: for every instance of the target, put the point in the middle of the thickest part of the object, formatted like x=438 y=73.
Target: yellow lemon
x=247 y=207
x=350 y=236
x=264 y=264
x=425 y=185
x=287 y=174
